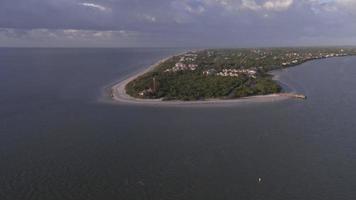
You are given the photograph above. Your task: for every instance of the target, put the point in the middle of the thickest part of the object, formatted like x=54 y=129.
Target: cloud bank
x=198 y=23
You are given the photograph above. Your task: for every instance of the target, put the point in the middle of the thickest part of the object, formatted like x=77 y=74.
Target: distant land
x=220 y=74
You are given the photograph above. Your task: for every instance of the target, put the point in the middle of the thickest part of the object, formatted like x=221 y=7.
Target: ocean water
x=60 y=139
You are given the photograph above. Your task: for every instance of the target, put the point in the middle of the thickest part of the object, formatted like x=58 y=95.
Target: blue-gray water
x=57 y=141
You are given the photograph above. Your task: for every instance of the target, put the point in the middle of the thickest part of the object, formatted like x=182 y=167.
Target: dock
x=293 y=95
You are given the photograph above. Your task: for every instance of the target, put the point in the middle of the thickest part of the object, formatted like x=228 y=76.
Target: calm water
x=57 y=141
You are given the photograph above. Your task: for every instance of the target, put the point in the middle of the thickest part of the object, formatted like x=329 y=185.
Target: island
x=220 y=74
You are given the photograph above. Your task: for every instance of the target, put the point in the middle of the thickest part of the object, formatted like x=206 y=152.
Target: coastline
x=119 y=95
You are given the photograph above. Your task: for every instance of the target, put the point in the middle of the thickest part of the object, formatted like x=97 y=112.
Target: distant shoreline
x=119 y=94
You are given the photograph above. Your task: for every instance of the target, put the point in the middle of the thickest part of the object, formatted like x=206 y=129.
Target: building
x=209 y=72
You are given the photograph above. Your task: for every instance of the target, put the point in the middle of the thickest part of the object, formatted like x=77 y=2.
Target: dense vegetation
x=261 y=86
x=195 y=85
x=186 y=86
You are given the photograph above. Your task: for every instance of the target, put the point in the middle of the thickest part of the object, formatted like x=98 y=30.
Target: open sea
x=60 y=139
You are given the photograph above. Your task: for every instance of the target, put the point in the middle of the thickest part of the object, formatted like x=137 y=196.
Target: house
x=192 y=66
x=209 y=72
x=180 y=65
x=145 y=92
x=237 y=72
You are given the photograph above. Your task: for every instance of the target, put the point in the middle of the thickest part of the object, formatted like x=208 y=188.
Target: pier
x=294 y=95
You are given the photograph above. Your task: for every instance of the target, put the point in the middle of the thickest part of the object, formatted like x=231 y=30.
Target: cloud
x=277 y=5
x=270 y=5
x=95 y=6
x=147 y=17
x=348 y=5
x=66 y=37
x=177 y=22
x=250 y=4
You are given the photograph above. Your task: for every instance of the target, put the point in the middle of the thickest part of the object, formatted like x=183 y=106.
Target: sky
x=177 y=23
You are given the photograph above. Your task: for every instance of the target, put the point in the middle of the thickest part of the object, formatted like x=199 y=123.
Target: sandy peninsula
x=118 y=94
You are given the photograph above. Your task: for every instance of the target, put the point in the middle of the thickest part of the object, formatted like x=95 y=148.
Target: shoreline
x=118 y=93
